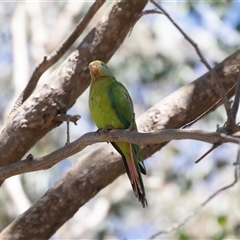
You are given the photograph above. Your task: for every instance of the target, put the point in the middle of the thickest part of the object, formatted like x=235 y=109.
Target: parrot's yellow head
x=99 y=69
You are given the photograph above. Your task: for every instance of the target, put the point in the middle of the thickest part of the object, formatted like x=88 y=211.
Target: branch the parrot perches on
x=111 y=107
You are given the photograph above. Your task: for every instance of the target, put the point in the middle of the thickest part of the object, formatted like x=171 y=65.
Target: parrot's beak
x=93 y=68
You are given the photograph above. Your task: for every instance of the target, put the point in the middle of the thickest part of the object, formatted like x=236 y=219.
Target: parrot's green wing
x=122 y=105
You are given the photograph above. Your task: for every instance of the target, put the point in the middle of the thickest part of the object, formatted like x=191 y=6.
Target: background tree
x=155 y=60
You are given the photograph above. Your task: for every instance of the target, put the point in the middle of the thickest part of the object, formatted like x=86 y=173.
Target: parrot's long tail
x=134 y=168
x=134 y=174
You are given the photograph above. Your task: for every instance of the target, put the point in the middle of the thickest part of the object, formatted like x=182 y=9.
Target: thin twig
x=206 y=153
x=67 y=118
x=52 y=58
x=235 y=105
x=204 y=61
x=199 y=208
x=153 y=11
x=68 y=133
x=207 y=111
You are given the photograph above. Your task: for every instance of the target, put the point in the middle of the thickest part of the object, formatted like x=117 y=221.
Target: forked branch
x=52 y=58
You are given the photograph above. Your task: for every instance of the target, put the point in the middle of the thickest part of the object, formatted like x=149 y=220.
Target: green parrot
x=111 y=107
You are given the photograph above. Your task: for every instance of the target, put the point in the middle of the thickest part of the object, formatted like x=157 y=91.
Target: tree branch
x=38 y=115
x=97 y=169
x=213 y=73
x=42 y=163
x=210 y=109
x=52 y=58
x=214 y=146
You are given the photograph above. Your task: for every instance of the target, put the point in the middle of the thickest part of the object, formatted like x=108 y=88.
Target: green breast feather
x=110 y=104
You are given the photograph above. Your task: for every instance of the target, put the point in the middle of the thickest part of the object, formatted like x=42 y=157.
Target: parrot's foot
x=105 y=130
x=132 y=124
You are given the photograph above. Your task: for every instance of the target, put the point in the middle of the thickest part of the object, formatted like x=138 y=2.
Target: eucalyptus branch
x=52 y=58
x=33 y=164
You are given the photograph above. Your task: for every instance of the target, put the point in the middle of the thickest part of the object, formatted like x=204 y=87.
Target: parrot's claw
x=105 y=130
x=132 y=124
x=131 y=127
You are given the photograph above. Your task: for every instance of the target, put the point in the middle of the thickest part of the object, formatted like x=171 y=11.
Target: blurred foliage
x=153 y=62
